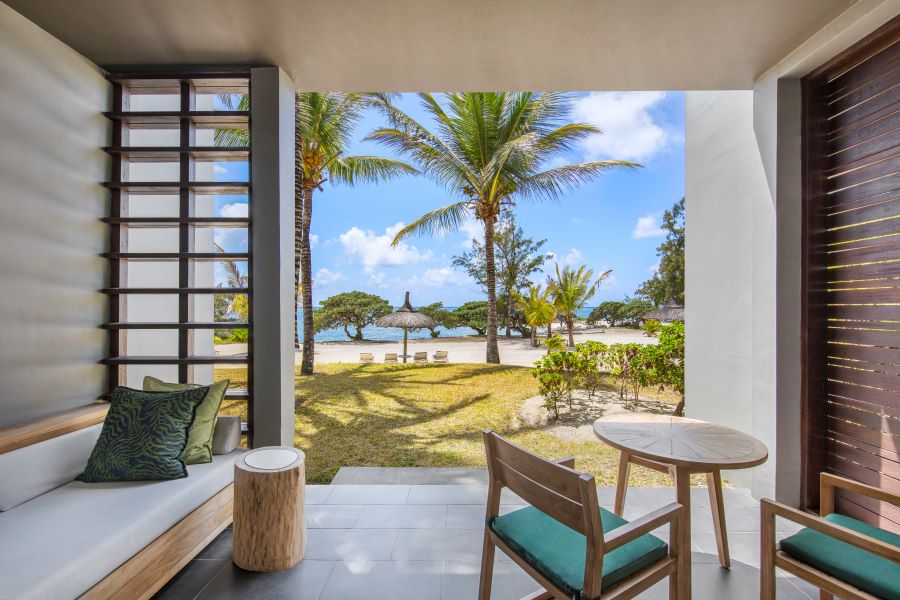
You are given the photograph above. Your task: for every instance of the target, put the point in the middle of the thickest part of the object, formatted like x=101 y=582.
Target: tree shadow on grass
x=371 y=415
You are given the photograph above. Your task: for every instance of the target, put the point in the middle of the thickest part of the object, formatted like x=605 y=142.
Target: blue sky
x=612 y=223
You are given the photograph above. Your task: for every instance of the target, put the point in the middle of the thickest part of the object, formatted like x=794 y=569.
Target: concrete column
x=272 y=243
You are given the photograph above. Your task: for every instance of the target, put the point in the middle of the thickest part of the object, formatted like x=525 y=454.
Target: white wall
x=51 y=131
x=744 y=148
x=722 y=172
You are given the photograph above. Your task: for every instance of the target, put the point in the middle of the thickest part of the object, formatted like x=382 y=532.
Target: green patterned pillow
x=199 y=444
x=143 y=436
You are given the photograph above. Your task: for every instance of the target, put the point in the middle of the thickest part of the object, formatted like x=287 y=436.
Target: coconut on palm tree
x=490 y=149
x=571 y=289
x=538 y=309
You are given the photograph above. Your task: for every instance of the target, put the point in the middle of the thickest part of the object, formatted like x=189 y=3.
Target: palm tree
x=489 y=149
x=571 y=290
x=323 y=131
x=537 y=308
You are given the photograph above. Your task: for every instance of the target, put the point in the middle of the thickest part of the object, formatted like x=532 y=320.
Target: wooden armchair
x=420 y=357
x=840 y=555
x=564 y=540
x=390 y=357
x=441 y=356
x=366 y=358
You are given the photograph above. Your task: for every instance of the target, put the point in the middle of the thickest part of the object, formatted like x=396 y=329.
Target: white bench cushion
x=62 y=543
x=28 y=472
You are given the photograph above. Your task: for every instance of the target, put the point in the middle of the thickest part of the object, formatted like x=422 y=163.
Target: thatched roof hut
x=406 y=317
x=669 y=313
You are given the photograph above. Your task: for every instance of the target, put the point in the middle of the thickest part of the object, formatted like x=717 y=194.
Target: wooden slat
x=218 y=222
x=174 y=360
x=169 y=187
x=864 y=230
x=864 y=191
x=880 y=367
x=877 y=442
x=172 y=154
x=32 y=432
x=864 y=295
x=873 y=354
x=853 y=75
x=187 y=325
x=870 y=337
x=844 y=466
x=856 y=376
x=176 y=255
x=883 y=207
x=878 y=90
x=224 y=119
x=874 y=312
x=844 y=276
x=866 y=415
x=189 y=290
x=880 y=514
x=866 y=168
x=870 y=395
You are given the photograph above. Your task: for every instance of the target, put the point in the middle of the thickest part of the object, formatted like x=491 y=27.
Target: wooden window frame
x=186 y=84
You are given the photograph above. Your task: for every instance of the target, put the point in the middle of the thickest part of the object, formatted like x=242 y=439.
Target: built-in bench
x=68 y=539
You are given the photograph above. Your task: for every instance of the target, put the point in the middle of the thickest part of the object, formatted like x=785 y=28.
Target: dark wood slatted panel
x=853 y=206
x=186 y=155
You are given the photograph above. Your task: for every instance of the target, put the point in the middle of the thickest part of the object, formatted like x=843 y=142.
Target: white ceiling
x=406 y=45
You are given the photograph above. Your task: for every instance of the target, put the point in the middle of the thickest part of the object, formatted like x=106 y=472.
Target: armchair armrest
x=828 y=483
x=568 y=461
x=771 y=509
x=627 y=533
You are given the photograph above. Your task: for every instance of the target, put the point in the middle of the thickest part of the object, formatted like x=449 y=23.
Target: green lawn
x=422 y=416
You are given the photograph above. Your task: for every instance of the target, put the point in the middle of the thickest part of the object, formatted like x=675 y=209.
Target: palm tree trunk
x=493 y=352
x=298 y=215
x=309 y=342
x=534 y=337
x=569 y=324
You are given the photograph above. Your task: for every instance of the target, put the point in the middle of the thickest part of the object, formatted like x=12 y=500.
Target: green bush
x=591 y=360
x=652 y=327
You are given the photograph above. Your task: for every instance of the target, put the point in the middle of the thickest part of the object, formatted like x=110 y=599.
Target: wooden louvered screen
x=852 y=190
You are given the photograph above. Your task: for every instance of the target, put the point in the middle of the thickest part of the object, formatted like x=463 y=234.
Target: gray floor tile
x=219 y=547
x=317 y=494
x=350 y=544
x=438 y=544
x=448 y=494
x=509 y=582
x=191 y=580
x=332 y=516
x=368 y=494
x=403 y=516
x=471 y=516
x=391 y=580
x=303 y=582
x=743 y=547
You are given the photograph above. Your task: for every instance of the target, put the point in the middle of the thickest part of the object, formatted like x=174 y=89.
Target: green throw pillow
x=199 y=444
x=143 y=436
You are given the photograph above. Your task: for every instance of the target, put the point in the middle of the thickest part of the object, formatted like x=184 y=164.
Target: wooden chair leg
x=767 y=556
x=823 y=595
x=717 y=505
x=622 y=482
x=487 y=567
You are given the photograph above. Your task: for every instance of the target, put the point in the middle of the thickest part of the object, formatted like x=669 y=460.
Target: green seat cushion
x=199 y=444
x=558 y=552
x=869 y=572
x=143 y=436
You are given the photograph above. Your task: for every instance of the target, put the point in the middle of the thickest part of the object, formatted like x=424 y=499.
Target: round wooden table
x=269 y=525
x=681 y=447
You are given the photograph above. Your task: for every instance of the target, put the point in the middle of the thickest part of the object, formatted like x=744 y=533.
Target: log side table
x=269 y=524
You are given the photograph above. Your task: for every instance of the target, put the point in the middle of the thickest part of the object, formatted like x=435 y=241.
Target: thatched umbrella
x=671 y=312
x=406 y=317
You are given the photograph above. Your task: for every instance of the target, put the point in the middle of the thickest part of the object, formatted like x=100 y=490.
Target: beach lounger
x=420 y=357
x=366 y=358
x=441 y=356
x=390 y=357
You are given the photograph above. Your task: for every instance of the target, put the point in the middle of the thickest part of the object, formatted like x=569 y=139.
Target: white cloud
x=377 y=279
x=325 y=277
x=438 y=277
x=653 y=269
x=238 y=210
x=577 y=220
x=313 y=240
x=473 y=230
x=629 y=129
x=373 y=250
x=572 y=258
x=647 y=226
x=219 y=170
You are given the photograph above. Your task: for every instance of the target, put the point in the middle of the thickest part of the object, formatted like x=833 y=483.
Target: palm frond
x=553 y=183
x=446 y=219
x=351 y=170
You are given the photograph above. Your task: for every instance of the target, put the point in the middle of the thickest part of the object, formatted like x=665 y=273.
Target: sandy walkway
x=513 y=351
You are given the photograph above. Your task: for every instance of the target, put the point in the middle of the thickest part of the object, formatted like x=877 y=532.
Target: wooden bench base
x=149 y=570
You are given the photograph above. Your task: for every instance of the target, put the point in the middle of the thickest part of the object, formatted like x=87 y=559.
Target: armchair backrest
x=562 y=493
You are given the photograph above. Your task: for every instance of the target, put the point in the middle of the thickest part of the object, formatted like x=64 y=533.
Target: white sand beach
x=513 y=351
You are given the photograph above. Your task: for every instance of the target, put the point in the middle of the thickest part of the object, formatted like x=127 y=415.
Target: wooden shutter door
x=852 y=197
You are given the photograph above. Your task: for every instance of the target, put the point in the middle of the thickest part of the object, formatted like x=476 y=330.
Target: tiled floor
x=424 y=542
